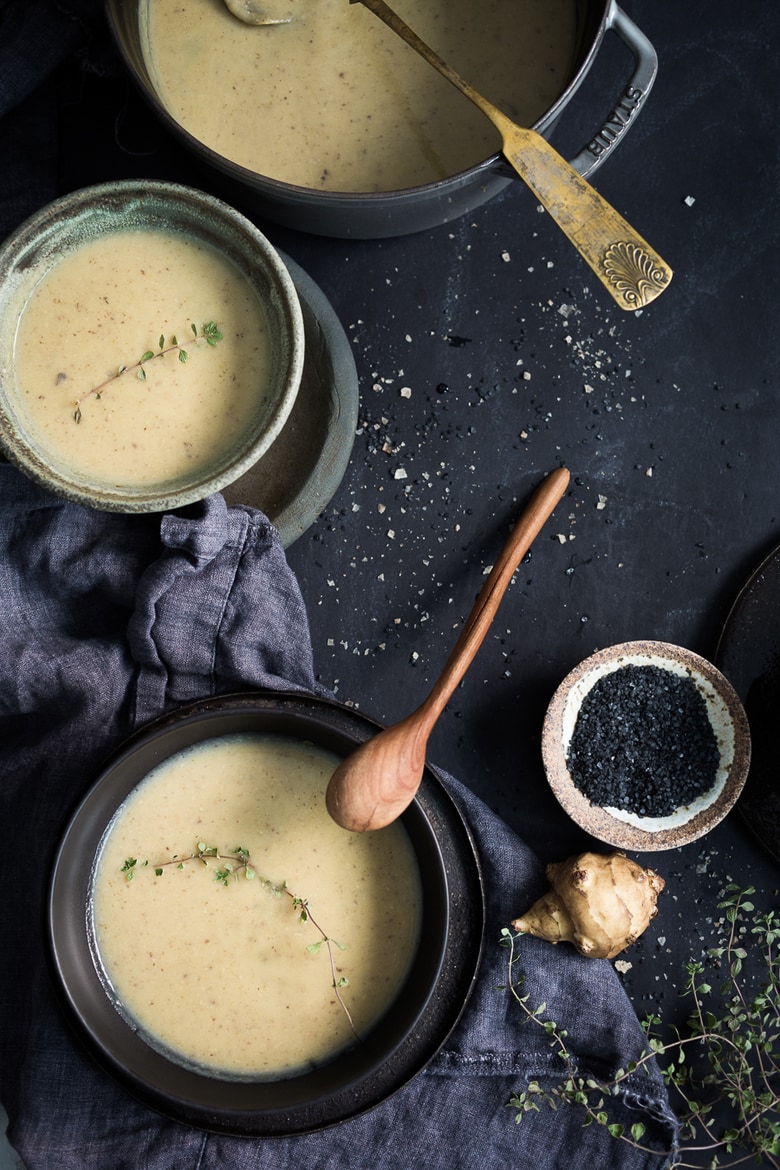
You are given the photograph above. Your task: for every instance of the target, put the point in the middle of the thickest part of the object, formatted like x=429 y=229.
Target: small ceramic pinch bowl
x=646 y=745
x=115 y=391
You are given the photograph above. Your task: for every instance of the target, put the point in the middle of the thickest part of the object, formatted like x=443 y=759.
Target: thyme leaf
x=209 y=334
x=722 y=1068
x=233 y=866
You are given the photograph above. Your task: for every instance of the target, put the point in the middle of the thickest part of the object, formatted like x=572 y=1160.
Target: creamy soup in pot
x=335 y=101
x=222 y=971
x=106 y=304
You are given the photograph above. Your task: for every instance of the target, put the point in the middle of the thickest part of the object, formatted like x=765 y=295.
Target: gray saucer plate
x=300 y=473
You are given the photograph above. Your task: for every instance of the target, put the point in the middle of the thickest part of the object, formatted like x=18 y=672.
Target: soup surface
x=228 y=976
x=104 y=305
x=336 y=101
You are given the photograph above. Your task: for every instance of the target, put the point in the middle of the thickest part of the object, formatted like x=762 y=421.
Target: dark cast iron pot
x=397 y=213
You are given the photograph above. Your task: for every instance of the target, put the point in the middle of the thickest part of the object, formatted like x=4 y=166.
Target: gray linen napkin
x=107 y=621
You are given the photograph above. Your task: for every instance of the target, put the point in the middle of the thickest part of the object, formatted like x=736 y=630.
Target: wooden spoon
x=373 y=786
x=633 y=274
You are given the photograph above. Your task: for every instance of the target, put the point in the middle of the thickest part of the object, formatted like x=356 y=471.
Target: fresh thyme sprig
x=209 y=334
x=233 y=866
x=724 y=1068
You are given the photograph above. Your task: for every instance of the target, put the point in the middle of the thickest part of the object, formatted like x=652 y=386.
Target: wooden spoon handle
x=534 y=516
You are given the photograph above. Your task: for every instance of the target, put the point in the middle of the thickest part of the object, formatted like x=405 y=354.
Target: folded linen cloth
x=109 y=620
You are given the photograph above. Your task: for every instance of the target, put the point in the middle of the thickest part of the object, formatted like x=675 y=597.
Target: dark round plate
x=748 y=653
x=399 y=1046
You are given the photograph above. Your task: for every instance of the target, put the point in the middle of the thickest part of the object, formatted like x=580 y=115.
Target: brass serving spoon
x=373 y=785
x=624 y=262
x=631 y=271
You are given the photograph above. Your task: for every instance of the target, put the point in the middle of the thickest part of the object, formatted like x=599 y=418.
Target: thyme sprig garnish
x=722 y=1069
x=209 y=334
x=235 y=865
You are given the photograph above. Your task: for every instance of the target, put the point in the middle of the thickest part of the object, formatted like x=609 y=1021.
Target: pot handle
x=630 y=102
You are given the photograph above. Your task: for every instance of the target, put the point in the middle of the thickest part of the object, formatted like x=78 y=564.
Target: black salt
x=643 y=742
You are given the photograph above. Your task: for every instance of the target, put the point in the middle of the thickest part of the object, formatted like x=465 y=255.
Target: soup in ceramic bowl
x=236 y=925
x=403 y=912
x=151 y=346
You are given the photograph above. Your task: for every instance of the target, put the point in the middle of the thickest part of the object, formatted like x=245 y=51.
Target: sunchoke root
x=599 y=902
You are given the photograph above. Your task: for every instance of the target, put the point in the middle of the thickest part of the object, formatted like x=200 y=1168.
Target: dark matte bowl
x=404 y=1040
x=396 y=213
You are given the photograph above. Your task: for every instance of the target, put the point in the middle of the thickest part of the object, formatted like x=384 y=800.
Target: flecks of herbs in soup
x=334 y=100
x=102 y=306
x=228 y=977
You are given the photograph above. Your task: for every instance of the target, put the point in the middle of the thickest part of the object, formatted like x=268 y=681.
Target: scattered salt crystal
x=689 y=200
x=405 y=392
x=399 y=473
x=602 y=503
x=505 y=257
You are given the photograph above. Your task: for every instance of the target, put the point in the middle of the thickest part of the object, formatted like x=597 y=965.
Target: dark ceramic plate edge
x=745 y=654
x=459 y=961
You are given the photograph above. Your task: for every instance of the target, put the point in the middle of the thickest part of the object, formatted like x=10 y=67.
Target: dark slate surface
x=514 y=362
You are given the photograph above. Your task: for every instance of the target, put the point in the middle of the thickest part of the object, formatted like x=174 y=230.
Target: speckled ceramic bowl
x=30 y=254
x=621 y=827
